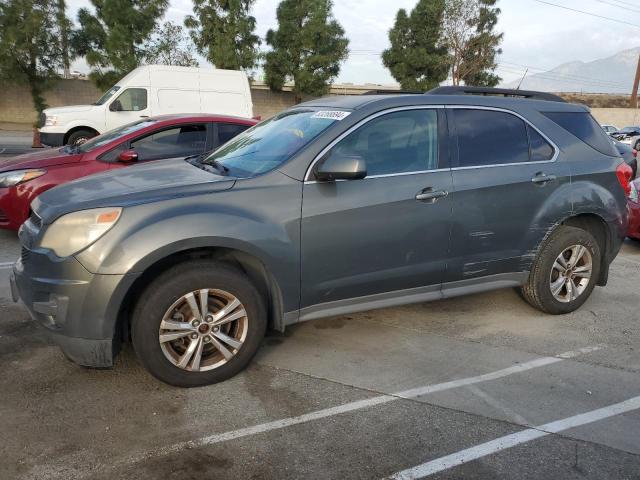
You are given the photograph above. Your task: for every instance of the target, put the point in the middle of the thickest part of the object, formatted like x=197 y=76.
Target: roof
x=203 y=117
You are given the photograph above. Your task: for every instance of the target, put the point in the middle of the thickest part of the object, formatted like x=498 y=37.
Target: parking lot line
x=345 y=408
x=514 y=439
x=5 y=265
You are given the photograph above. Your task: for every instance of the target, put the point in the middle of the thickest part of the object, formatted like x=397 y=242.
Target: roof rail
x=383 y=91
x=505 y=92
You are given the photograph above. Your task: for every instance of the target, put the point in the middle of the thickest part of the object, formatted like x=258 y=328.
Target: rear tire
x=179 y=345
x=556 y=288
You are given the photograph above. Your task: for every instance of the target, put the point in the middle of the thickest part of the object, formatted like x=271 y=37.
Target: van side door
x=511 y=188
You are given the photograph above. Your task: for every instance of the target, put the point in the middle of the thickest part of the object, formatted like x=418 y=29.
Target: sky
x=536 y=35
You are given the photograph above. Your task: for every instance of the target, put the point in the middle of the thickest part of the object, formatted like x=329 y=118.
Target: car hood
x=70 y=109
x=145 y=183
x=39 y=159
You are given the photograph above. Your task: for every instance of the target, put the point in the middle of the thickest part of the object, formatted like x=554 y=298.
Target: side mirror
x=115 y=106
x=128 y=156
x=341 y=167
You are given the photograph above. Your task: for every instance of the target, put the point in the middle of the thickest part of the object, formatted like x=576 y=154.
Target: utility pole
x=634 y=93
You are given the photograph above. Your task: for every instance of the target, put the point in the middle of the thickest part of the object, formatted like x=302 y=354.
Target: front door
x=130 y=106
x=388 y=232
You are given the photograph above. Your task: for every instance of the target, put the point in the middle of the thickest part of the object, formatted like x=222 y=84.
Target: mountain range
x=613 y=74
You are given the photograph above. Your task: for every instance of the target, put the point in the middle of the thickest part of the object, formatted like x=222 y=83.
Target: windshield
x=270 y=143
x=107 y=95
x=111 y=135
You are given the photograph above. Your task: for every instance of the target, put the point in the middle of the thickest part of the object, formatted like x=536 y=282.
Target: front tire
x=198 y=323
x=565 y=271
x=79 y=137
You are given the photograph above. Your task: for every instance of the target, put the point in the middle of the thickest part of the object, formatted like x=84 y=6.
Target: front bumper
x=14 y=207
x=78 y=308
x=634 y=219
x=52 y=139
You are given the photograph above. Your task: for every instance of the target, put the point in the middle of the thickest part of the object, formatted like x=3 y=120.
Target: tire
x=80 y=136
x=544 y=275
x=163 y=304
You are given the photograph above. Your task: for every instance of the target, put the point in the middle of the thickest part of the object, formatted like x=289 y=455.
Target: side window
x=131 y=100
x=541 y=150
x=487 y=137
x=584 y=126
x=399 y=142
x=173 y=142
x=226 y=131
x=112 y=155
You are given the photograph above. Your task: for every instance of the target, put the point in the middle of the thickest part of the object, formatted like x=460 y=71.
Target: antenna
x=522 y=79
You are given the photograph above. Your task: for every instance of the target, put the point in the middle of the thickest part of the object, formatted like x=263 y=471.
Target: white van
x=150 y=91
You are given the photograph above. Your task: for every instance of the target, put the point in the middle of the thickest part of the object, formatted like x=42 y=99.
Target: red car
x=24 y=177
x=634 y=210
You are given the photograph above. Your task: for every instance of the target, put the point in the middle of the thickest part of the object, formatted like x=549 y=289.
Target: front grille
x=25 y=255
x=43 y=120
x=35 y=220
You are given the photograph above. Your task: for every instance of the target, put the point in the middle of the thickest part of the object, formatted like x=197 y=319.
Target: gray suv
x=337 y=205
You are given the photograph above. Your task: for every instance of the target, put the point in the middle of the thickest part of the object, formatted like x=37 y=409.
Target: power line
x=627 y=3
x=587 y=13
x=619 y=6
x=568 y=75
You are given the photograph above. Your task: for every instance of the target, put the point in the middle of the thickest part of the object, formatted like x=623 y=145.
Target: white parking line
x=327 y=412
x=508 y=441
x=6 y=265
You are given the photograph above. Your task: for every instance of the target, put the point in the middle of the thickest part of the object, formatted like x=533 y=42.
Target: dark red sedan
x=24 y=177
x=634 y=210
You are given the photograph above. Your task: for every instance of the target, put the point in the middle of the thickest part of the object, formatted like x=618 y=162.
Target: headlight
x=76 y=231
x=9 y=179
x=51 y=121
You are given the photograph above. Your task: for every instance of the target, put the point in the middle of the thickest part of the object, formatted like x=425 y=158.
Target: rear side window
x=487 y=137
x=541 y=150
x=584 y=126
x=226 y=131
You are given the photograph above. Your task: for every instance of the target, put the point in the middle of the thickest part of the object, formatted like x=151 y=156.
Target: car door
x=504 y=173
x=131 y=105
x=386 y=234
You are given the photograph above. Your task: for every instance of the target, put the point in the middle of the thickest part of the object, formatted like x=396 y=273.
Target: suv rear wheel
x=565 y=271
x=198 y=323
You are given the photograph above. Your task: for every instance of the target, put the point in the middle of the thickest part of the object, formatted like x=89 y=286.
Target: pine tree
x=169 y=45
x=468 y=34
x=223 y=32
x=308 y=47
x=29 y=47
x=416 y=58
x=112 y=39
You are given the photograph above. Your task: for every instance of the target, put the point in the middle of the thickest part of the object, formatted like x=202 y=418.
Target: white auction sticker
x=331 y=114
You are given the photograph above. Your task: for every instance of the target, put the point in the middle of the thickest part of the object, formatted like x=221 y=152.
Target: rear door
x=506 y=176
x=388 y=232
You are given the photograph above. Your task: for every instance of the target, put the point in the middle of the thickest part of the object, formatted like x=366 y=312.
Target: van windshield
x=269 y=144
x=110 y=93
x=111 y=135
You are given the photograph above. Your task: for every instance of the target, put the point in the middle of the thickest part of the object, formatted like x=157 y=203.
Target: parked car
x=634 y=211
x=337 y=205
x=629 y=136
x=24 y=177
x=610 y=129
x=629 y=155
x=151 y=90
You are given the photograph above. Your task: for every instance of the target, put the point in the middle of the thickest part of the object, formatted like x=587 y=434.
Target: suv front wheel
x=198 y=323
x=565 y=271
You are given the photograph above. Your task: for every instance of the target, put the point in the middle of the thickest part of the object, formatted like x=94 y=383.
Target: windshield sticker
x=331 y=114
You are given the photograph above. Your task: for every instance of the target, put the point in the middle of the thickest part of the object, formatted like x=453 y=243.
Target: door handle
x=144 y=116
x=428 y=195
x=542 y=178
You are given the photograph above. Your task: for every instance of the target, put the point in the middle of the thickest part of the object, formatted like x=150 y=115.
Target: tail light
x=635 y=153
x=624 y=174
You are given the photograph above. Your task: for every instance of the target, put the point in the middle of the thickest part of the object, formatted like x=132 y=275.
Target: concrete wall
x=620 y=117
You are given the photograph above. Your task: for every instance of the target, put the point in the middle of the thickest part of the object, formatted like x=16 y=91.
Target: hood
x=145 y=183
x=38 y=159
x=70 y=109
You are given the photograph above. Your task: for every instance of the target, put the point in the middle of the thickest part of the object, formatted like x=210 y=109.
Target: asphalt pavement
x=478 y=387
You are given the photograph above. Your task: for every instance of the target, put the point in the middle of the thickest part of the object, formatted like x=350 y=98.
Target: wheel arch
x=598 y=227
x=71 y=131
x=248 y=263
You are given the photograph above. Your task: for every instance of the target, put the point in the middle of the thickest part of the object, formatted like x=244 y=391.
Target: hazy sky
x=536 y=35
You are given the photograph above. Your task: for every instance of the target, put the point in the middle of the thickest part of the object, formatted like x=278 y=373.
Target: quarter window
x=226 y=131
x=131 y=100
x=584 y=126
x=487 y=137
x=541 y=150
x=399 y=142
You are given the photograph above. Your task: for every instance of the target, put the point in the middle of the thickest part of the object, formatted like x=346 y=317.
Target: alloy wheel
x=571 y=273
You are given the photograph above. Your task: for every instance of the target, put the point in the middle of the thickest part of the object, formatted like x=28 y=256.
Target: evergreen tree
x=112 y=39
x=64 y=27
x=169 y=45
x=223 y=32
x=29 y=47
x=468 y=34
x=416 y=58
x=308 y=47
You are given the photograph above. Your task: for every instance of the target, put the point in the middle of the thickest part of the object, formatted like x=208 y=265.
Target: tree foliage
x=112 y=38
x=30 y=51
x=223 y=32
x=417 y=59
x=169 y=45
x=307 y=47
x=468 y=33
